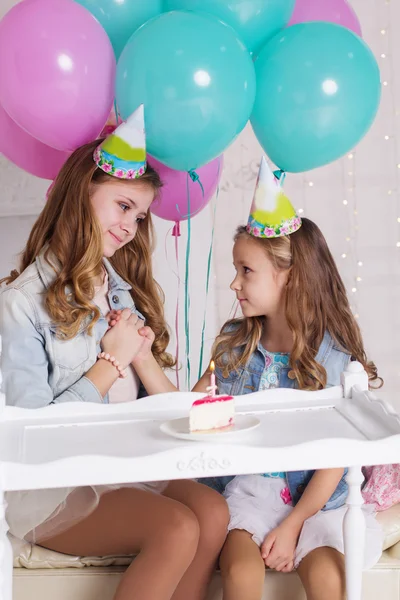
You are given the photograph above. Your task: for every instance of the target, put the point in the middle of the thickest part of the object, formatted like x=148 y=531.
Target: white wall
x=366 y=229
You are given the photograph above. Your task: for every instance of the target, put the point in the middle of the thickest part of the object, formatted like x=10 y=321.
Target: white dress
x=35 y=515
x=256 y=505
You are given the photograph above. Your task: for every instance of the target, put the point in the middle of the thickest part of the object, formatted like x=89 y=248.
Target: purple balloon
x=26 y=152
x=172 y=205
x=333 y=11
x=57 y=72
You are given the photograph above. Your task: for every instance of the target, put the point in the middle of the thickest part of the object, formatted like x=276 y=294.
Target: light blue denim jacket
x=38 y=368
x=247 y=380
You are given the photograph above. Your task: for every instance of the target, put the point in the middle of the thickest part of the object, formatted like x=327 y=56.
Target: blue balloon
x=121 y=18
x=196 y=81
x=255 y=21
x=318 y=91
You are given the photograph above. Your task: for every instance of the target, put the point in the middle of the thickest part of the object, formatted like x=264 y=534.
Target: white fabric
x=255 y=505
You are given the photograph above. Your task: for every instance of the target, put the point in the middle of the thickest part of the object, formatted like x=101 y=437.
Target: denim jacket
x=38 y=368
x=247 y=380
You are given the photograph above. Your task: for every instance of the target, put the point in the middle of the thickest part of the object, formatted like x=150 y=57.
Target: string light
x=344 y=255
x=395 y=113
x=345 y=202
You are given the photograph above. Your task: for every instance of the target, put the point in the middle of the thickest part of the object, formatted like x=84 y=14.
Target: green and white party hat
x=272 y=214
x=123 y=153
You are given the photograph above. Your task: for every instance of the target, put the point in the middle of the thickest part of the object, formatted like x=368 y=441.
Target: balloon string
x=195 y=178
x=176 y=234
x=187 y=293
x=116 y=111
x=208 y=278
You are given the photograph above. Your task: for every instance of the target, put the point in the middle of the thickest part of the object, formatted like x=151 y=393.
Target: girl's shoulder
x=26 y=296
x=30 y=277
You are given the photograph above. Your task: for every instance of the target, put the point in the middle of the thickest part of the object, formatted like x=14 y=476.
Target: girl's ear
x=288 y=274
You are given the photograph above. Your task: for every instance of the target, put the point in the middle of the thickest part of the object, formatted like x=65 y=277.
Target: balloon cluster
x=298 y=70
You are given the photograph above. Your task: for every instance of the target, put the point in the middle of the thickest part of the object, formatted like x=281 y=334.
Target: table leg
x=354 y=534
x=6 y=554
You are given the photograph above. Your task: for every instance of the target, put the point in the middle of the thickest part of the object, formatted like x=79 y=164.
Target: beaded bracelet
x=114 y=362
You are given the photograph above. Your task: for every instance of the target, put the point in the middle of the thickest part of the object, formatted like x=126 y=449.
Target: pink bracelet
x=114 y=362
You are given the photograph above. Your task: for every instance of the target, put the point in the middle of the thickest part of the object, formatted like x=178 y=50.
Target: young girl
x=297 y=331
x=88 y=255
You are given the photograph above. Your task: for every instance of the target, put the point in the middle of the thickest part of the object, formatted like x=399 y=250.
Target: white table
x=78 y=444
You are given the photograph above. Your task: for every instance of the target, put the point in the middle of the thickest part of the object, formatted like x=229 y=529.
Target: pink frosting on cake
x=212 y=399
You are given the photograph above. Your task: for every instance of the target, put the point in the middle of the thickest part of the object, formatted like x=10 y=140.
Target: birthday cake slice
x=212 y=414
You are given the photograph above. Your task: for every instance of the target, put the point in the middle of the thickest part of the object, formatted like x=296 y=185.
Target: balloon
x=26 y=152
x=172 y=205
x=318 y=92
x=121 y=19
x=57 y=72
x=196 y=81
x=255 y=21
x=333 y=11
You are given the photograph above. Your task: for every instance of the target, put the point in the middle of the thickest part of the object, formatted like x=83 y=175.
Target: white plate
x=179 y=428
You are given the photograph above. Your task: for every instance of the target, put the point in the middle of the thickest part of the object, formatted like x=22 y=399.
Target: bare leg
x=242 y=568
x=163 y=531
x=212 y=514
x=323 y=575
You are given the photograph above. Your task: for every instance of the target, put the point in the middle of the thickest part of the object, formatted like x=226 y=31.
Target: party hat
x=123 y=153
x=272 y=214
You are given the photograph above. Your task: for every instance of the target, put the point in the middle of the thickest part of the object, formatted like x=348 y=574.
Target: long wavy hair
x=315 y=301
x=69 y=230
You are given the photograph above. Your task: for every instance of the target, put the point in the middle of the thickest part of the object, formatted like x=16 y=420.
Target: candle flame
x=212 y=366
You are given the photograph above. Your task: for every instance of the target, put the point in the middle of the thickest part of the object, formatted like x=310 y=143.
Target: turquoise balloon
x=196 y=81
x=255 y=21
x=121 y=18
x=318 y=91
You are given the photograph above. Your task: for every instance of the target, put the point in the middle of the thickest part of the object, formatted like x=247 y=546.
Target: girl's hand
x=113 y=317
x=123 y=340
x=144 y=353
x=279 y=547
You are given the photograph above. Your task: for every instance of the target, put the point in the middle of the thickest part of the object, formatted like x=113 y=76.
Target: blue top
x=250 y=377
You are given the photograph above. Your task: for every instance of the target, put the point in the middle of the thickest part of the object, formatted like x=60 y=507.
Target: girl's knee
x=243 y=574
x=181 y=528
x=213 y=517
x=323 y=569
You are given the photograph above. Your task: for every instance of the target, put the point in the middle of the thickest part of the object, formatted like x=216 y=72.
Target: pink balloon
x=173 y=202
x=57 y=71
x=26 y=152
x=333 y=11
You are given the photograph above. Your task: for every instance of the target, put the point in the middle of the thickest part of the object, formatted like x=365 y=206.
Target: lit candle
x=212 y=388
